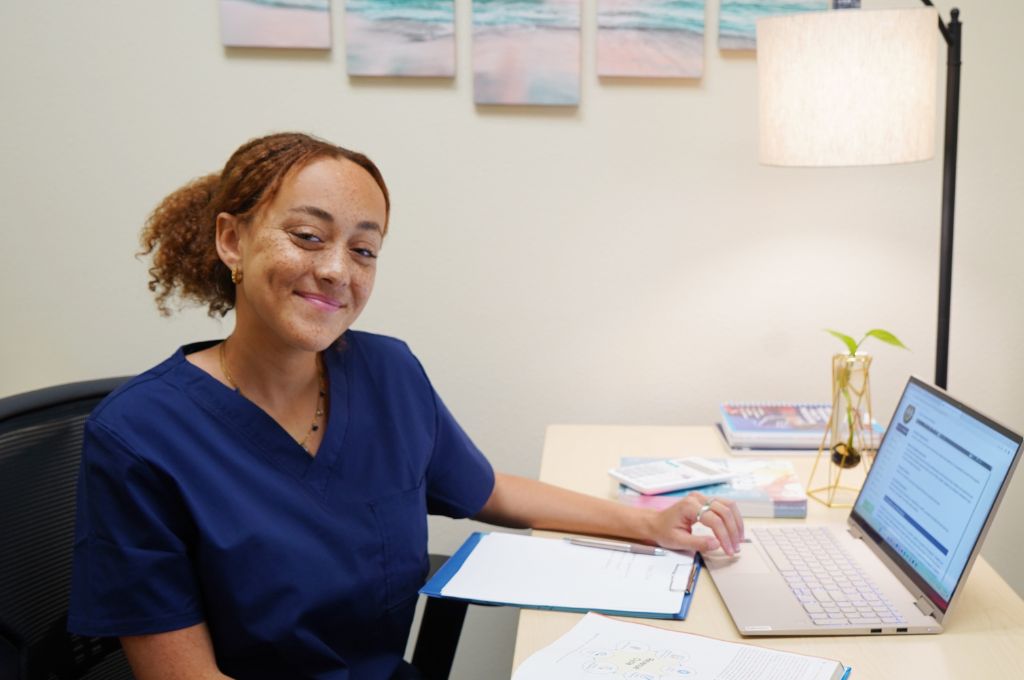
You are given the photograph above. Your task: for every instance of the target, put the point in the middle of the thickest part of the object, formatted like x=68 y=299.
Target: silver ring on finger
x=700 y=513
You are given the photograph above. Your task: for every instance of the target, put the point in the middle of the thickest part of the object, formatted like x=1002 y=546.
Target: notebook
x=761 y=488
x=912 y=535
x=790 y=426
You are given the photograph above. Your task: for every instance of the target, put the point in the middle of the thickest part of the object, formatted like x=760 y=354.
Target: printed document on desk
x=550 y=573
x=603 y=647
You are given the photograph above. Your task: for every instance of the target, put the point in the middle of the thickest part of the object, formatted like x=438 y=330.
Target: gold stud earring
x=236 y=275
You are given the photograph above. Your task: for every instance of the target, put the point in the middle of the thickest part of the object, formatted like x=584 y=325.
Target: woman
x=256 y=507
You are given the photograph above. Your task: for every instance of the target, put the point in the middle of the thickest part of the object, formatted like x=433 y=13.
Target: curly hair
x=181 y=232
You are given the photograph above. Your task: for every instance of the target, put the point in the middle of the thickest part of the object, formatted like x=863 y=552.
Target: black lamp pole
x=951 y=33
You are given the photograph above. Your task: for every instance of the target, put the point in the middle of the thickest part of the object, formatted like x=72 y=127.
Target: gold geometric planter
x=849 y=444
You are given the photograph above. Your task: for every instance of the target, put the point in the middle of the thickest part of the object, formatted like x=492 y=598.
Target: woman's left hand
x=520 y=502
x=673 y=526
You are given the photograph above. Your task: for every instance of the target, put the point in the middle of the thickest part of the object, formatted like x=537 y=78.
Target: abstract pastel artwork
x=650 y=38
x=526 y=52
x=276 y=23
x=737 y=19
x=400 y=38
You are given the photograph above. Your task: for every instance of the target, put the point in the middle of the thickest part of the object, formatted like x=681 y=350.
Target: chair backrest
x=440 y=629
x=40 y=448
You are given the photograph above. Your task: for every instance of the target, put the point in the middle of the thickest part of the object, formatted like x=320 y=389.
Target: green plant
x=844 y=453
x=853 y=346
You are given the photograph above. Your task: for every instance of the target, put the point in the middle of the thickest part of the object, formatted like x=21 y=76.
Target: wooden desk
x=983 y=638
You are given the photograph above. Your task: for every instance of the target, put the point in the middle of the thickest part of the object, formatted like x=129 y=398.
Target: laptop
x=912 y=535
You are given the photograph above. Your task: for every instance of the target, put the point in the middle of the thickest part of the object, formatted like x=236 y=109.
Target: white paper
x=599 y=646
x=546 y=572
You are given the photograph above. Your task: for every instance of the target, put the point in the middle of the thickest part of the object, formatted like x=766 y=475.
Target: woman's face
x=308 y=259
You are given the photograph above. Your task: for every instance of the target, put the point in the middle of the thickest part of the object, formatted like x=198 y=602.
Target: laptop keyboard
x=831 y=587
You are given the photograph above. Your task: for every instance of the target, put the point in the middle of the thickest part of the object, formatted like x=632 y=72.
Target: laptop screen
x=933 y=487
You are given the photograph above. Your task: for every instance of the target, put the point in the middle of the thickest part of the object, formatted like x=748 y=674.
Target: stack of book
x=761 y=488
x=777 y=426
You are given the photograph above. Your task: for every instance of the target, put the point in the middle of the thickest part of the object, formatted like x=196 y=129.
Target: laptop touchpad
x=750 y=561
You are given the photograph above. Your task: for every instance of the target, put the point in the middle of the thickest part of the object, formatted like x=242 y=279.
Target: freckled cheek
x=282 y=268
x=362 y=285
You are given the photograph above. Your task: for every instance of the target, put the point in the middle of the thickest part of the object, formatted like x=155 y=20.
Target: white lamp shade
x=848 y=87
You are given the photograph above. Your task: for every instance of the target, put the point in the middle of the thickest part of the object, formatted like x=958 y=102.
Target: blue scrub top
x=194 y=505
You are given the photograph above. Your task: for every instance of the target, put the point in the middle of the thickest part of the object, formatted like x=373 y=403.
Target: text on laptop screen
x=933 y=485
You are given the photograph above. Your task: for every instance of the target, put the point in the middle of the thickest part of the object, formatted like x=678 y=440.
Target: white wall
x=624 y=262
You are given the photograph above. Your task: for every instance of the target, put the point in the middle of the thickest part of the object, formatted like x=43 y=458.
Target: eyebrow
x=320 y=213
x=313 y=211
x=369 y=225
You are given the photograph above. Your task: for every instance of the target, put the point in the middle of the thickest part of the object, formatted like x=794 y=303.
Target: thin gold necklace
x=318 y=414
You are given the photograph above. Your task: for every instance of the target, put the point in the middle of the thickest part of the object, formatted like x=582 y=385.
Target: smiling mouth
x=321 y=302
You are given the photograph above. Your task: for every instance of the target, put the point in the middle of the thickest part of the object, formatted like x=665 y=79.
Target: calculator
x=671 y=474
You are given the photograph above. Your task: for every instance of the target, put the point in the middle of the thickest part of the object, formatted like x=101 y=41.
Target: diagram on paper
x=602 y=648
x=631 y=660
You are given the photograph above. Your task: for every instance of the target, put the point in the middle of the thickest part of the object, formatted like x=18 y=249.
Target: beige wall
x=625 y=262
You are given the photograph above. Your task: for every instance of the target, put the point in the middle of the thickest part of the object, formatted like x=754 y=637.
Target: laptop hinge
x=925 y=605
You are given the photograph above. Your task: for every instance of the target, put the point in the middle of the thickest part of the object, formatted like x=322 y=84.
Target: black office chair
x=439 y=633
x=40 y=448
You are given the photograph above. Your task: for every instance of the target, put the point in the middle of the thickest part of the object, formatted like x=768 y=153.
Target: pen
x=615 y=545
x=691 y=581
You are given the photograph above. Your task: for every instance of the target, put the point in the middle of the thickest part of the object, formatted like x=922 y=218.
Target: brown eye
x=307 y=237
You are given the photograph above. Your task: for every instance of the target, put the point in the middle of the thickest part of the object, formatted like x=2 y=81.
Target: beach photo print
x=297 y=24
x=526 y=52
x=737 y=19
x=650 y=38
x=400 y=38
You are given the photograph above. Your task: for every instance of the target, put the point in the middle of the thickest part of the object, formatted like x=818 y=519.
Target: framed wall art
x=526 y=52
x=737 y=19
x=650 y=38
x=276 y=23
x=400 y=38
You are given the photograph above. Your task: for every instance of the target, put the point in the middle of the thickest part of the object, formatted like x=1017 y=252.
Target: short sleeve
x=459 y=477
x=131 y=572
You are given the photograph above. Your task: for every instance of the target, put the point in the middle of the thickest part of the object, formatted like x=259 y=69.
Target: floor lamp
x=858 y=87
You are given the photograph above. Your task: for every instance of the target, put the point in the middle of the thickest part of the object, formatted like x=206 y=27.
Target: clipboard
x=485 y=589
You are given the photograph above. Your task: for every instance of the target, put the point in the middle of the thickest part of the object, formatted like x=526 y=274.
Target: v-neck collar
x=267 y=437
